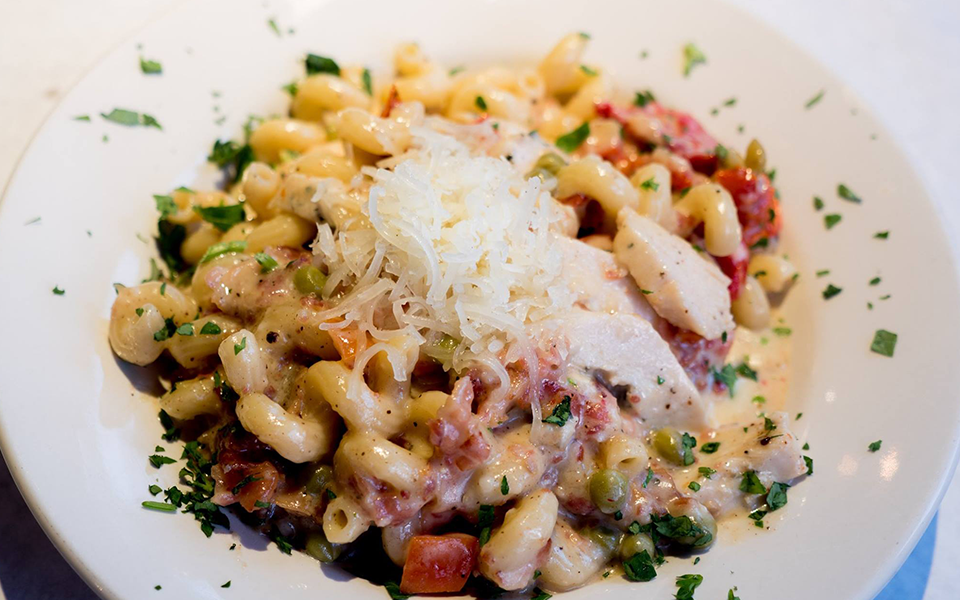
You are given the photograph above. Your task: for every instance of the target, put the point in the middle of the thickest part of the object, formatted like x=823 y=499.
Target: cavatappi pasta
x=480 y=318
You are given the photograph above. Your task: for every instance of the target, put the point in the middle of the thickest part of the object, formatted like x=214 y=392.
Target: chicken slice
x=767 y=447
x=624 y=350
x=597 y=282
x=682 y=287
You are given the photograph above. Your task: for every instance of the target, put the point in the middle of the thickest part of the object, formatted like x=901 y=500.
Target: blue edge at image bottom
x=910 y=582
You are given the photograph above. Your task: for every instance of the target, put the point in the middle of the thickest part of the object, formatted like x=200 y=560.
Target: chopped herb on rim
x=813 y=101
x=782 y=331
x=875 y=281
x=226 y=585
x=590 y=71
x=639 y=567
x=817 y=203
x=884 y=342
x=163 y=506
x=158 y=460
x=643 y=98
x=130 y=118
x=831 y=291
x=150 y=67
x=686 y=585
x=847 y=194
x=272 y=23
x=830 y=220
x=809 y=462
x=881 y=235
x=823 y=273
x=569 y=142
x=692 y=56
x=82 y=118
x=367 y=82
x=58 y=291
x=874 y=446
x=730 y=102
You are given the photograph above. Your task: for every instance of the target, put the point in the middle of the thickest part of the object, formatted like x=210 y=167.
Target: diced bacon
x=244 y=461
x=439 y=563
x=678 y=131
x=735 y=267
x=697 y=356
x=456 y=430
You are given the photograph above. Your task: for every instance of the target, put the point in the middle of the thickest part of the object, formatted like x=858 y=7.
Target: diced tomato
x=735 y=267
x=680 y=132
x=756 y=200
x=439 y=563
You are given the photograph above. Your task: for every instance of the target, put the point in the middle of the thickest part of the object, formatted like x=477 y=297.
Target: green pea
x=319 y=480
x=448 y=343
x=668 y=444
x=607 y=539
x=540 y=172
x=319 y=548
x=309 y=280
x=635 y=544
x=756 y=156
x=608 y=490
x=551 y=162
x=704 y=521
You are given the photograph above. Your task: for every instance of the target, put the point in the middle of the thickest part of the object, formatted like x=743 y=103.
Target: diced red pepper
x=735 y=267
x=756 y=200
x=439 y=563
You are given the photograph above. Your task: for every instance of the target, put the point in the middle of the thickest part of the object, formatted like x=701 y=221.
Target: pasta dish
x=507 y=328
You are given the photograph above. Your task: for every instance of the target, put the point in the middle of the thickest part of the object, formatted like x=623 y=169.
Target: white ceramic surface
x=76 y=434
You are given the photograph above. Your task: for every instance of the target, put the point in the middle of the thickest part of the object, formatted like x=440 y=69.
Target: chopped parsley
x=57 y=290
x=847 y=194
x=744 y=370
x=831 y=291
x=660 y=380
x=238 y=348
x=82 y=118
x=645 y=292
x=721 y=152
x=813 y=101
x=185 y=329
x=170 y=432
x=130 y=118
x=768 y=424
x=686 y=584
x=315 y=63
x=539 y=594
x=291 y=88
x=394 y=590
x=710 y=447
x=569 y=142
x=751 y=484
x=692 y=56
x=884 y=342
x=693 y=485
x=761 y=243
x=154 y=490
x=222 y=248
x=875 y=281
x=163 y=506
x=485 y=521
x=168 y=329
x=591 y=72
x=639 y=567
x=210 y=328
x=782 y=331
x=165 y=205
x=226 y=585
x=687 y=444
x=881 y=235
x=809 y=463
x=243 y=483
x=222 y=217
x=158 y=460
x=823 y=272
x=480 y=103
x=560 y=414
x=874 y=446
x=232 y=157
x=706 y=471
x=504 y=486
x=150 y=67
x=727 y=376
x=643 y=98
x=777 y=496
x=817 y=203
x=267 y=262
x=649 y=477
x=283 y=544
x=367 y=82
x=650 y=184
x=830 y=220
x=272 y=23
x=758 y=400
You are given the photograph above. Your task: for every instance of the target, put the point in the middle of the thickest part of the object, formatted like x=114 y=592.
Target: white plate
x=76 y=434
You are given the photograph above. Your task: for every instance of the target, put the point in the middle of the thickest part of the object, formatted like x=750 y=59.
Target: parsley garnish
x=560 y=414
x=650 y=184
x=82 y=118
x=291 y=88
x=539 y=594
x=884 y=342
x=222 y=217
x=158 y=506
x=367 y=82
x=282 y=543
x=394 y=590
x=875 y=281
x=727 y=376
x=730 y=595
x=226 y=585
x=660 y=380
x=686 y=584
x=504 y=486
x=693 y=485
x=813 y=101
x=222 y=248
x=831 y=291
x=643 y=98
x=830 y=220
x=809 y=463
x=158 y=460
x=847 y=194
x=751 y=484
x=692 y=56
x=150 y=67
x=639 y=567
x=777 y=496
x=154 y=490
x=237 y=348
x=782 y=331
x=185 y=329
x=261 y=504
x=232 y=157
x=569 y=142
x=687 y=444
x=744 y=370
x=874 y=446
x=267 y=262
x=710 y=447
x=647 y=479
x=57 y=290
x=485 y=522
x=170 y=433
x=480 y=103
x=881 y=235
x=321 y=64
x=591 y=72
x=165 y=205
x=130 y=118
x=168 y=329
x=706 y=471
x=210 y=328
x=761 y=243
x=243 y=483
